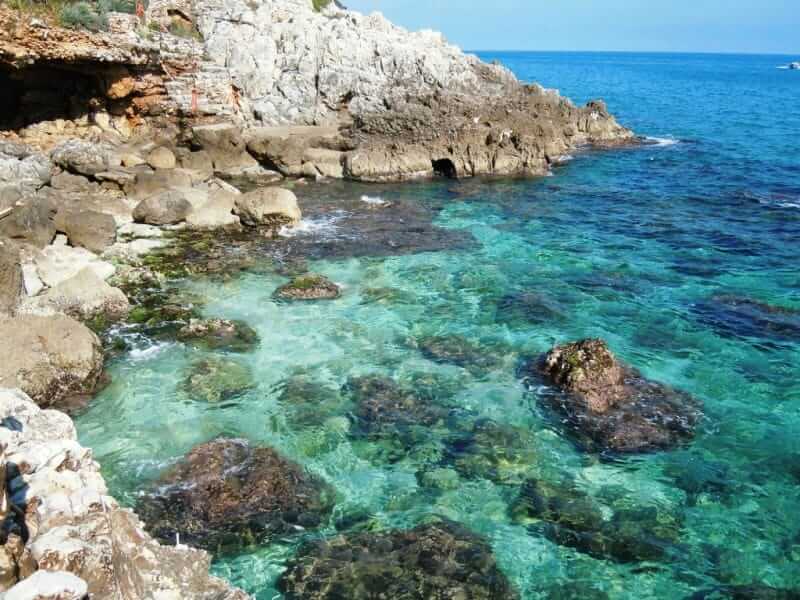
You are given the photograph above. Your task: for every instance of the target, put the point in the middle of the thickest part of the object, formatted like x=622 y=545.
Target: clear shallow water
x=645 y=248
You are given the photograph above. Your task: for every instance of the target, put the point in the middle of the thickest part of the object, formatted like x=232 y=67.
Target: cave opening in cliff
x=44 y=93
x=445 y=168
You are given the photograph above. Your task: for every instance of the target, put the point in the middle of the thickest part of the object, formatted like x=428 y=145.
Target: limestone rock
x=214 y=334
x=24 y=169
x=49 y=585
x=161 y=158
x=89 y=229
x=150 y=184
x=163 y=209
x=270 y=206
x=217 y=380
x=73 y=525
x=225 y=144
x=55 y=359
x=78 y=156
x=84 y=296
x=216 y=212
x=11 y=280
x=199 y=162
x=58 y=262
x=30 y=220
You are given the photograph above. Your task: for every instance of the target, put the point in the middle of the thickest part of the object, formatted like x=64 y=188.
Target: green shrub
x=82 y=15
x=122 y=6
x=320 y=4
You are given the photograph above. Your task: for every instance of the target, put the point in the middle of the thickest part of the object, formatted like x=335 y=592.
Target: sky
x=748 y=26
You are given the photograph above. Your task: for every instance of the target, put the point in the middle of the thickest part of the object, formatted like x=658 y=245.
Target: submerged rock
x=458 y=350
x=227 y=493
x=308 y=287
x=397 y=418
x=570 y=517
x=734 y=316
x=528 y=307
x=438 y=560
x=57 y=361
x=309 y=403
x=610 y=405
x=215 y=334
x=216 y=379
x=496 y=451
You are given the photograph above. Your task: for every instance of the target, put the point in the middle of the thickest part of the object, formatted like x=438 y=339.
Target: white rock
x=49 y=585
x=59 y=262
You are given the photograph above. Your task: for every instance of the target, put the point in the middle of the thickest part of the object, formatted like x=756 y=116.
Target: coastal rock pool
x=406 y=401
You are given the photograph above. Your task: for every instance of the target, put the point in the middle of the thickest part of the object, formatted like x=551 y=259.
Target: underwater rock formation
x=216 y=379
x=227 y=493
x=437 y=560
x=459 y=351
x=735 y=316
x=570 y=517
x=610 y=406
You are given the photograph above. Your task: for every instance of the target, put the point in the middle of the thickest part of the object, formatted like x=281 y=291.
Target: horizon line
x=705 y=52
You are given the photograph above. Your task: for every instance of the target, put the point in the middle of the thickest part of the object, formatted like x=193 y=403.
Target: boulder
x=270 y=206
x=215 y=334
x=130 y=160
x=84 y=296
x=198 y=162
x=30 y=220
x=69 y=182
x=150 y=184
x=78 y=156
x=225 y=145
x=308 y=287
x=89 y=229
x=227 y=493
x=24 y=170
x=610 y=405
x=11 y=278
x=165 y=208
x=216 y=212
x=161 y=158
x=56 y=360
x=434 y=560
x=458 y=350
x=58 y=262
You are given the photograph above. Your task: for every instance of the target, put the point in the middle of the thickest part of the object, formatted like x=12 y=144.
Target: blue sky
x=760 y=26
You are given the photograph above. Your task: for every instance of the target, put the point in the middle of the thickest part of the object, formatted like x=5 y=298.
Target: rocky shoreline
x=129 y=149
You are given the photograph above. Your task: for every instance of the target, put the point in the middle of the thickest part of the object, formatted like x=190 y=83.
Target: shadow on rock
x=226 y=494
x=438 y=560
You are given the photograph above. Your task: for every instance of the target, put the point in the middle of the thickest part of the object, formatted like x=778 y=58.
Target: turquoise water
x=683 y=256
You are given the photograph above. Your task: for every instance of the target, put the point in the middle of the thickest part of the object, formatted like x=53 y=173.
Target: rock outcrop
x=610 y=405
x=308 y=287
x=77 y=539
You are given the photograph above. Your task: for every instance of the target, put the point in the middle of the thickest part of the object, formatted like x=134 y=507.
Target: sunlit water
x=643 y=247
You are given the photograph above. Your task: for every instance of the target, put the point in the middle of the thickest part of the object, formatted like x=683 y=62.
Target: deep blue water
x=684 y=256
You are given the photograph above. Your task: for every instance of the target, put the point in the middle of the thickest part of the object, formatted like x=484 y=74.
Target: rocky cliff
x=399 y=104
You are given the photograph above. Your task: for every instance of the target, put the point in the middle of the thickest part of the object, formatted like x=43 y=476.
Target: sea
x=683 y=254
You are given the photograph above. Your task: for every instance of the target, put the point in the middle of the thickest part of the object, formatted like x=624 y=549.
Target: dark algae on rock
x=226 y=494
x=437 y=560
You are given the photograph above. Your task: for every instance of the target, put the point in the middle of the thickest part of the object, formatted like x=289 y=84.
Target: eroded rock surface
x=610 y=405
x=308 y=287
x=227 y=493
